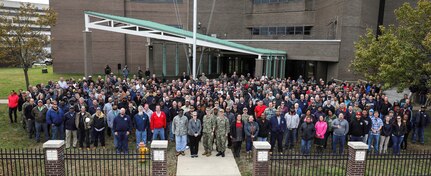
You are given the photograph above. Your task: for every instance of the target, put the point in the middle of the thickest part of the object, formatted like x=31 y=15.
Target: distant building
x=318 y=35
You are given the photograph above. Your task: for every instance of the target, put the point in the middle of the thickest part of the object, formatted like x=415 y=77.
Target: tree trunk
x=27 y=83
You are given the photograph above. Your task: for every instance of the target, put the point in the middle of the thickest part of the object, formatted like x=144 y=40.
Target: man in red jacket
x=158 y=123
x=13 y=105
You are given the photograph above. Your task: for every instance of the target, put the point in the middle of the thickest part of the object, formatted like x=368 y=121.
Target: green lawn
x=13 y=78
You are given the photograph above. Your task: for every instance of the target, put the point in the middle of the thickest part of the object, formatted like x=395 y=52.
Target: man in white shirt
x=292 y=123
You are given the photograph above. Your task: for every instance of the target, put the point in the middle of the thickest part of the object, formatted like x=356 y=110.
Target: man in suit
x=278 y=127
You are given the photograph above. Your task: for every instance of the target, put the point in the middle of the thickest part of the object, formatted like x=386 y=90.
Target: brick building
x=318 y=35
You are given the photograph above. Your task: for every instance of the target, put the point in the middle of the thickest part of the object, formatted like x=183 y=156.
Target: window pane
x=290 y=30
x=299 y=30
x=264 y=31
x=255 y=31
x=272 y=31
x=307 y=30
x=281 y=30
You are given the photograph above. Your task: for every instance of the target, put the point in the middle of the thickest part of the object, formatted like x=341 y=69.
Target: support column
x=284 y=66
x=159 y=151
x=149 y=50
x=274 y=74
x=236 y=64
x=209 y=63
x=164 y=59
x=54 y=158
x=258 y=68
x=267 y=64
x=357 y=158
x=88 y=53
x=261 y=158
x=177 y=60
x=218 y=64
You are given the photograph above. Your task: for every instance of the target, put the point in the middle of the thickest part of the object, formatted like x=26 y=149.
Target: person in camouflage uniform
x=269 y=111
x=209 y=124
x=222 y=128
x=245 y=116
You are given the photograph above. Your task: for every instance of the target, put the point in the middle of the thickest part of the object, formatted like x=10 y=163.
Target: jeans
x=338 y=140
x=122 y=139
x=262 y=139
x=115 y=138
x=248 y=143
x=141 y=136
x=40 y=126
x=419 y=134
x=159 y=131
x=57 y=132
x=396 y=143
x=180 y=143
x=290 y=137
x=373 y=138
x=306 y=146
x=365 y=140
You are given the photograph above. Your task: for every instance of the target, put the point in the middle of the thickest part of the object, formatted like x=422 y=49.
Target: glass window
x=272 y=31
x=255 y=31
x=299 y=30
x=264 y=31
x=307 y=30
x=290 y=30
x=281 y=30
x=158 y=1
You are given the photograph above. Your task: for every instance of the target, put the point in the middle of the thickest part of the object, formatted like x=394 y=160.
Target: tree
x=22 y=36
x=399 y=57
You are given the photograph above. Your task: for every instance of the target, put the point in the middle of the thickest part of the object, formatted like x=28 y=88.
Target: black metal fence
x=107 y=162
x=22 y=162
x=294 y=163
x=407 y=163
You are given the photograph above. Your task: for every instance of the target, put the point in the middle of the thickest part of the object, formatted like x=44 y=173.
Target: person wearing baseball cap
x=421 y=121
x=357 y=128
x=99 y=119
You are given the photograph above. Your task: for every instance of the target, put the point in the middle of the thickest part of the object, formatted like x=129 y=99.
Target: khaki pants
x=384 y=141
x=71 y=134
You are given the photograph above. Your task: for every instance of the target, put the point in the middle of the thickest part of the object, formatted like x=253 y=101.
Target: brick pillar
x=54 y=158
x=357 y=158
x=261 y=158
x=159 y=150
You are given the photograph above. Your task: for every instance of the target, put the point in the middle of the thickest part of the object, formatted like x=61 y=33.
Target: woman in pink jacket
x=321 y=127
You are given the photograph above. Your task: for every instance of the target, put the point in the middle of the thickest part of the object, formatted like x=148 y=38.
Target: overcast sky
x=34 y=1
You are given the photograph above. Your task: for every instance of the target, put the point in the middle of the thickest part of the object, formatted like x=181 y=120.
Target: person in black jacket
x=99 y=127
x=368 y=123
x=29 y=118
x=399 y=129
x=385 y=135
x=307 y=135
x=122 y=126
x=357 y=128
x=107 y=70
x=263 y=129
x=409 y=128
x=237 y=135
x=70 y=126
x=420 y=121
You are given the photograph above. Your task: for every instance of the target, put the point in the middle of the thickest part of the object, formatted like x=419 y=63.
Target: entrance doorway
x=241 y=65
x=307 y=69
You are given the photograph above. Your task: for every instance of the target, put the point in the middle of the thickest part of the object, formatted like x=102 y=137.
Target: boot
x=209 y=153
x=222 y=154
x=205 y=153
x=218 y=154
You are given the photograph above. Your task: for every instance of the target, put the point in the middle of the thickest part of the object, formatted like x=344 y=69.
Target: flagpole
x=194 y=37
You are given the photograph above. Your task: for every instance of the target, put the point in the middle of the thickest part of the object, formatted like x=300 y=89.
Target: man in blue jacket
x=278 y=127
x=54 y=117
x=122 y=126
x=142 y=123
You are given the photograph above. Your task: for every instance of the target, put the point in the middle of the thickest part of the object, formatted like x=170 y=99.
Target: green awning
x=181 y=32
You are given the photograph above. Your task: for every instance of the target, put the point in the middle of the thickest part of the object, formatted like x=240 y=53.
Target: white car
x=46 y=61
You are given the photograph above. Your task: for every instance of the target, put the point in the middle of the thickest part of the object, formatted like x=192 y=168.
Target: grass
x=13 y=78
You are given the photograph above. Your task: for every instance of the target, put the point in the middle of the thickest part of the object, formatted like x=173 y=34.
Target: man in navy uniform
x=122 y=126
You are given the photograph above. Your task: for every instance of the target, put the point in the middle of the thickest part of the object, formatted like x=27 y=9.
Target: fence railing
x=22 y=162
x=406 y=163
x=294 y=163
x=106 y=162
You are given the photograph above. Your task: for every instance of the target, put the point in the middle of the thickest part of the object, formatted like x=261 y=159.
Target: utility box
x=44 y=70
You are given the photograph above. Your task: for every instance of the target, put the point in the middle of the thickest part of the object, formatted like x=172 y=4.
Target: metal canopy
x=132 y=26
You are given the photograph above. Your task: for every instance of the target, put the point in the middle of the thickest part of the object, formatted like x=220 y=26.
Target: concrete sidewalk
x=207 y=166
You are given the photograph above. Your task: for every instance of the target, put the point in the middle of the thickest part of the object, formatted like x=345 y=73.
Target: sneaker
x=187 y=147
x=182 y=153
x=178 y=153
x=222 y=154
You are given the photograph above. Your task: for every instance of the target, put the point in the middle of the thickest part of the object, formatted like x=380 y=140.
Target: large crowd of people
x=224 y=112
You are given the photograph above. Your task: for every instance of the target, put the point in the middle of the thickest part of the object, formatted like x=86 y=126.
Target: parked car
x=45 y=61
